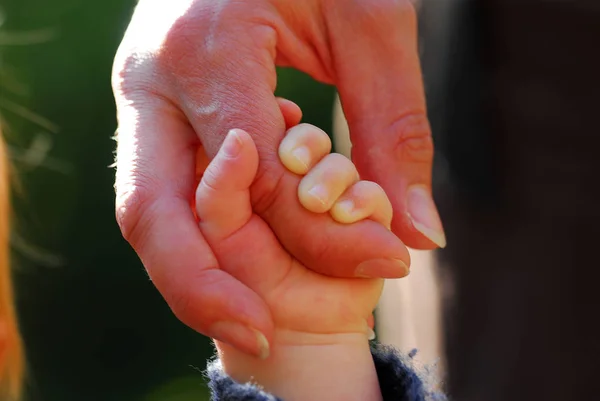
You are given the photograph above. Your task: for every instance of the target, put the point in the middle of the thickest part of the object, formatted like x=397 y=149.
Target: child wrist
x=339 y=365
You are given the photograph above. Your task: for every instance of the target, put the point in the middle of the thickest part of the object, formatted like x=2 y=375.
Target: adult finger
x=154 y=185
x=326 y=182
x=379 y=79
x=239 y=94
x=292 y=114
x=303 y=147
x=365 y=199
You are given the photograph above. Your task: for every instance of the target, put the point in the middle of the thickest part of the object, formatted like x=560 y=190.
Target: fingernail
x=319 y=192
x=424 y=215
x=263 y=345
x=302 y=155
x=382 y=268
x=242 y=337
x=346 y=206
x=233 y=144
x=371 y=334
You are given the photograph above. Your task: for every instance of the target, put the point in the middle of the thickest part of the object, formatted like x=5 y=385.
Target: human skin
x=409 y=311
x=320 y=347
x=188 y=71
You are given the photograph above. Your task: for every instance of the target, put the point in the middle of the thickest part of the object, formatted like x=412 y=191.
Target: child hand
x=303 y=304
x=321 y=323
x=331 y=182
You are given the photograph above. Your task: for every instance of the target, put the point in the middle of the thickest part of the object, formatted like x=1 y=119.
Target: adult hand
x=188 y=71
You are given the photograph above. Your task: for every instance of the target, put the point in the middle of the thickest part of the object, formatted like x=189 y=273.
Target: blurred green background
x=94 y=326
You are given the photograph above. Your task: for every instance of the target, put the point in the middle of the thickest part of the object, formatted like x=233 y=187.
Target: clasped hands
x=187 y=72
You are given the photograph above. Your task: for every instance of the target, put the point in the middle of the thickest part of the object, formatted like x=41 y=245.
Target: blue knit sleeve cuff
x=398 y=378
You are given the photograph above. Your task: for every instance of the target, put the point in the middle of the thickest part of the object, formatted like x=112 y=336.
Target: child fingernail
x=346 y=207
x=382 y=268
x=233 y=144
x=319 y=192
x=242 y=337
x=302 y=156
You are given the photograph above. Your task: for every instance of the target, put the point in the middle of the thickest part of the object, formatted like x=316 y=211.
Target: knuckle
x=344 y=166
x=206 y=35
x=412 y=138
x=144 y=56
x=134 y=209
x=134 y=65
x=128 y=63
x=136 y=77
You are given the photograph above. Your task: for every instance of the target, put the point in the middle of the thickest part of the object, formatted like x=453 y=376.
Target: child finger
x=326 y=182
x=223 y=195
x=302 y=147
x=292 y=114
x=364 y=199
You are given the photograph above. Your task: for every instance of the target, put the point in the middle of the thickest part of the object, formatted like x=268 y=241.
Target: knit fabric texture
x=398 y=378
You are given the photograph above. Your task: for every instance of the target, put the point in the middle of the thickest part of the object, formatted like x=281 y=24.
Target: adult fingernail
x=263 y=345
x=302 y=156
x=382 y=268
x=242 y=337
x=370 y=334
x=424 y=215
x=232 y=144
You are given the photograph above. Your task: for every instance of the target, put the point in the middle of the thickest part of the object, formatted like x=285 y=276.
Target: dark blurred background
x=94 y=326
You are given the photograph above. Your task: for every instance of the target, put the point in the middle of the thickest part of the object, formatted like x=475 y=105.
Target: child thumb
x=223 y=195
